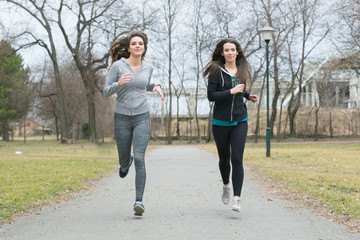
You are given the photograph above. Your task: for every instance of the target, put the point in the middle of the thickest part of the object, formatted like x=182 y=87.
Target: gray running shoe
x=226 y=194
x=139 y=208
x=236 y=204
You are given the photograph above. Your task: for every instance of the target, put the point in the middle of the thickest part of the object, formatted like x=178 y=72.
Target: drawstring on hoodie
x=233 y=98
x=222 y=79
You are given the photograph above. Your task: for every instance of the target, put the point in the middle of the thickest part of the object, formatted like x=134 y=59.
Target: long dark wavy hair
x=119 y=48
x=212 y=69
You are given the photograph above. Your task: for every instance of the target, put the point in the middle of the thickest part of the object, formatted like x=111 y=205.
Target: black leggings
x=233 y=138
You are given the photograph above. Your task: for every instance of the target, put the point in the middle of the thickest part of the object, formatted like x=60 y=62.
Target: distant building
x=330 y=82
x=186 y=103
x=32 y=129
x=335 y=84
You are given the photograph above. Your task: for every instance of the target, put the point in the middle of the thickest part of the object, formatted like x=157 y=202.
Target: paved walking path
x=182 y=201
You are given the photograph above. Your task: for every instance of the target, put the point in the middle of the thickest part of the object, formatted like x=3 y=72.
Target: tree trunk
x=169 y=137
x=92 y=118
x=286 y=122
x=57 y=127
x=5 y=130
x=58 y=80
x=330 y=125
x=196 y=115
x=257 y=125
x=24 y=131
x=292 y=124
x=276 y=92
x=294 y=111
x=60 y=97
x=190 y=141
x=12 y=133
x=91 y=110
x=279 y=125
x=316 y=123
x=177 y=119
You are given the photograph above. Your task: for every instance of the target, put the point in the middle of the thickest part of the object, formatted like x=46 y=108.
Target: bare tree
x=46 y=106
x=93 y=20
x=280 y=113
x=257 y=124
x=225 y=13
x=41 y=12
x=332 y=88
x=317 y=109
x=307 y=22
x=349 y=13
x=75 y=100
x=277 y=16
x=87 y=14
x=348 y=31
x=178 y=93
x=169 y=10
x=189 y=104
x=200 y=41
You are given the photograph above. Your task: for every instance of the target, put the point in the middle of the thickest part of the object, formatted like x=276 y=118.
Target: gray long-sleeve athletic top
x=131 y=97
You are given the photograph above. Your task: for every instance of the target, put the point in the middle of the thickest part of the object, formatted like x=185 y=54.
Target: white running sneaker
x=236 y=204
x=226 y=194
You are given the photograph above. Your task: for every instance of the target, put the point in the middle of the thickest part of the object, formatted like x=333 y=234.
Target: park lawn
x=45 y=171
x=329 y=173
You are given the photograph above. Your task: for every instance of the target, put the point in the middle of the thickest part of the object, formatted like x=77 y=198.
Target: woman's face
x=229 y=52
x=136 y=47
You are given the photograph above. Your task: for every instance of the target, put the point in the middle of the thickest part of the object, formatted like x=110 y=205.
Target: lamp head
x=267 y=33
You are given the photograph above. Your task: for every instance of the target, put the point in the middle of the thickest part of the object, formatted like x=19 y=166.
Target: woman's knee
x=139 y=162
x=237 y=161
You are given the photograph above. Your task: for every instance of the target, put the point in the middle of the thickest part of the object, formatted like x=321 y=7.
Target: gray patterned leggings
x=133 y=130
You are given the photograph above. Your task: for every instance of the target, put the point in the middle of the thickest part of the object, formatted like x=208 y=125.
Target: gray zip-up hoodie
x=131 y=97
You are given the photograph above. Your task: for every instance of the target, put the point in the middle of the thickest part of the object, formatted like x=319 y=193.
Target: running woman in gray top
x=129 y=77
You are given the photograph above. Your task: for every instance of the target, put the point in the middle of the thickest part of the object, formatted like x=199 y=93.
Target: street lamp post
x=267 y=33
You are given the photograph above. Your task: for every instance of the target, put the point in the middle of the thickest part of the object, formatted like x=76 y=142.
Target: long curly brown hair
x=119 y=48
x=213 y=67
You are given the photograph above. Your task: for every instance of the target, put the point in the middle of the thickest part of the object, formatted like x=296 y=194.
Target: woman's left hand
x=253 y=98
x=157 y=89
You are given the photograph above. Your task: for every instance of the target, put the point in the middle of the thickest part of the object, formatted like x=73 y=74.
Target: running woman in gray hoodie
x=129 y=77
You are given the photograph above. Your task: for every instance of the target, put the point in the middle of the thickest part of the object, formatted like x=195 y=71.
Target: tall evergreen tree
x=14 y=87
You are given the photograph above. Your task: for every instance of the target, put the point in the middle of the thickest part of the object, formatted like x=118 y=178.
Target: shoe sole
x=236 y=210
x=226 y=203
x=124 y=173
x=127 y=169
x=139 y=210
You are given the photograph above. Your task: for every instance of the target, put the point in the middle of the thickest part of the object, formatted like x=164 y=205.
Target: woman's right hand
x=237 y=89
x=125 y=79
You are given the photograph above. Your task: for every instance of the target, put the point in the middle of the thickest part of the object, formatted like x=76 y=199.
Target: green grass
x=328 y=172
x=45 y=171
